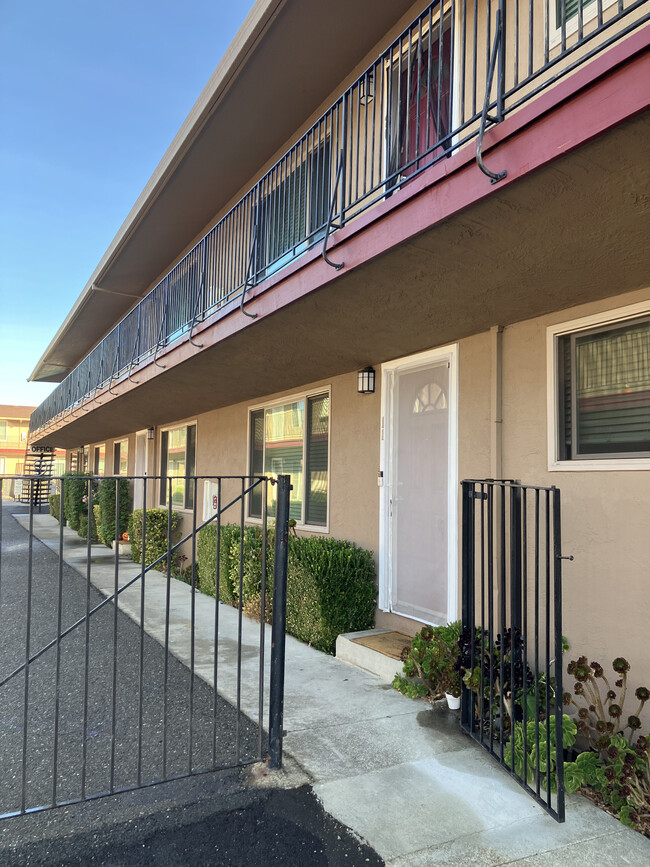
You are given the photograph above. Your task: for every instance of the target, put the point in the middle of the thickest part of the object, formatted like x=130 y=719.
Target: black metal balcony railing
x=428 y=94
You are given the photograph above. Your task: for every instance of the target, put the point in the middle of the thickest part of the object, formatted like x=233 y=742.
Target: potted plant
x=431 y=666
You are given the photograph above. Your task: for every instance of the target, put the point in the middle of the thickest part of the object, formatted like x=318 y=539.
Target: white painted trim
x=450 y=353
x=607 y=317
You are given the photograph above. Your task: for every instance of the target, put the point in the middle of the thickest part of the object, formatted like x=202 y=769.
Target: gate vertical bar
x=557 y=602
x=115 y=608
x=57 y=676
x=276 y=713
x=265 y=525
x=467 y=594
x=28 y=615
x=84 y=726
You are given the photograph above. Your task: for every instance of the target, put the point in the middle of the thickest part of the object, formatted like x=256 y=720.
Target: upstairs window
x=294 y=206
x=293 y=439
x=3 y=431
x=567 y=11
x=603 y=391
x=419 y=98
x=178 y=464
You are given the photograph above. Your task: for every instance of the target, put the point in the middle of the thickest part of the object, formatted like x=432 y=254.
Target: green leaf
x=625 y=816
x=573 y=777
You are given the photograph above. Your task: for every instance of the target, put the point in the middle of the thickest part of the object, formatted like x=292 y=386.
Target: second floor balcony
x=433 y=92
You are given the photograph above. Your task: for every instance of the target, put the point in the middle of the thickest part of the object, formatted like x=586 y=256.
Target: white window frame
x=589 y=13
x=282 y=401
x=3 y=466
x=553 y=332
x=167 y=429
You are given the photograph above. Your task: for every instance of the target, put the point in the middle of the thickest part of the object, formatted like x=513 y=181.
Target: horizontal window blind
x=612 y=383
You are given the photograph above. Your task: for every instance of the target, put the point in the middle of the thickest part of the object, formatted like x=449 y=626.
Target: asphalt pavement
x=227 y=817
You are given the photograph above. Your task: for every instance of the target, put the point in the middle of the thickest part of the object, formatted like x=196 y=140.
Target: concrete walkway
x=397 y=772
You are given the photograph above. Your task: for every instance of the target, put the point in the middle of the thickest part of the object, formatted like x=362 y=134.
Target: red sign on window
x=215 y=502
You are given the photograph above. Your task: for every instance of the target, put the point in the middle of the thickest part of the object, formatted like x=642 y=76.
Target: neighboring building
x=508 y=323
x=14 y=431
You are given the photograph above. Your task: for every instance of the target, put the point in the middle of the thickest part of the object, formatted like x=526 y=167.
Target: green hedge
x=55 y=506
x=75 y=498
x=83 y=528
x=330 y=583
x=105 y=499
x=157 y=521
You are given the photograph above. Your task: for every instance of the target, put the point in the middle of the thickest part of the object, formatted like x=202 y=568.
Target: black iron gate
x=98 y=698
x=512 y=632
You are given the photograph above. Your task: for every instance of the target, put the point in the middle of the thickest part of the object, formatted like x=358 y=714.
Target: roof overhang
x=219 y=149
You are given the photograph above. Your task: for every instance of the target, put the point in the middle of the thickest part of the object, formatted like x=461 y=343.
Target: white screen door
x=419 y=498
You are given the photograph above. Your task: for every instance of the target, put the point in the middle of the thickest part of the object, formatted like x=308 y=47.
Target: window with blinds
x=570 y=9
x=293 y=439
x=294 y=209
x=604 y=392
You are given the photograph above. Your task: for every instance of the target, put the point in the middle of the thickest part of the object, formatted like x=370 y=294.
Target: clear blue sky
x=91 y=95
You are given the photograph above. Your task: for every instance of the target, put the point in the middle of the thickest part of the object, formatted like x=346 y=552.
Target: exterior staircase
x=37 y=469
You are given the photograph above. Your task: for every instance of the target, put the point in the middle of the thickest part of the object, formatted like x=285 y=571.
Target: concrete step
x=374 y=650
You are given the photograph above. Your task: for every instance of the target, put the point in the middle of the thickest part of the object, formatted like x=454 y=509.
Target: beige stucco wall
x=605 y=514
x=222 y=448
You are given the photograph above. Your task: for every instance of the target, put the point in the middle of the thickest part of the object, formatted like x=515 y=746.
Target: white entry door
x=418 y=565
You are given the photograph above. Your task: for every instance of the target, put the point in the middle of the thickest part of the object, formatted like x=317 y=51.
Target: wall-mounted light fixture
x=366 y=381
x=150 y=433
x=367 y=87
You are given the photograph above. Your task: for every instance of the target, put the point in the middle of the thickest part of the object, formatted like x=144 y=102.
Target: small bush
x=330 y=583
x=75 y=498
x=156 y=542
x=252 y=560
x=341 y=576
x=97 y=515
x=55 y=506
x=83 y=528
x=206 y=553
x=106 y=503
x=432 y=663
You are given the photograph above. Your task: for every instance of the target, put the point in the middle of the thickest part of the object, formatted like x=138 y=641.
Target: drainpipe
x=496 y=402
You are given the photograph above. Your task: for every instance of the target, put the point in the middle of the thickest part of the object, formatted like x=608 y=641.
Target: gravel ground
x=221 y=818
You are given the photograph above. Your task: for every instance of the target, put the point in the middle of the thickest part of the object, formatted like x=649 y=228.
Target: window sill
x=306 y=528
x=613 y=465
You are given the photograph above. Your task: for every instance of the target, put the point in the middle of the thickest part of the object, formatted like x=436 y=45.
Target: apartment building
x=394 y=246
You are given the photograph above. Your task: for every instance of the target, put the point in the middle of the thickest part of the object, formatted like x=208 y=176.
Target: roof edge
x=254 y=25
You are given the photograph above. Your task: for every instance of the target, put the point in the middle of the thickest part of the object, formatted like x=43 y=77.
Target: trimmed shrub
x=55 y=506
x=330 y=583
x=341 y=576
x=97 y=515
x=156 y=542
x=252 y=559
x=75 y=498
x=83 y=528
x=206 y=554
x=106 y=503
